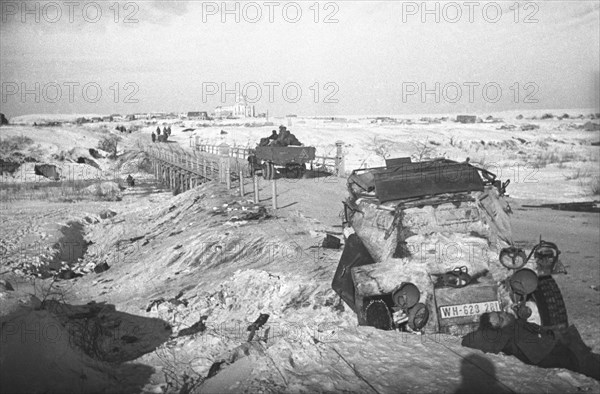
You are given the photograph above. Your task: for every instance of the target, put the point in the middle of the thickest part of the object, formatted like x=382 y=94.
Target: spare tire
x=550 y=304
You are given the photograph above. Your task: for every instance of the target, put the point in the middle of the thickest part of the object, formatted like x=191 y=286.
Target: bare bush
x=423 y=151
x=578 y=173
x=179 y=375
x=109 y=143
x=14 y=143
x=381 y=148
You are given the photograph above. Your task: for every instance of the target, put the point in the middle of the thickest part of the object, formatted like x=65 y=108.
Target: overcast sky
x=374 y=58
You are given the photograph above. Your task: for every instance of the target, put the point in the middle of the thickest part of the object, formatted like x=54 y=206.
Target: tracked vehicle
x=431 y=249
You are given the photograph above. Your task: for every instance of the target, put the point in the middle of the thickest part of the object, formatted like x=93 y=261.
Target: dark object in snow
x=68 y=274
x=466 y=118
x=529 y=127
x=378 y=315
x=259 y=213
x=530 y=343
x=331 y=242
x=199 y=326
x=5 y=285
x=258 y=323
x=107 y=214
x=130 y=181
x=3 y=120
x=354 y=255
x=101 y=268
x=592 y=206
x=591 y=126
x=223 y=132
x=49 y=171
x=214 y=369
x=177 y=300
x=95 y=154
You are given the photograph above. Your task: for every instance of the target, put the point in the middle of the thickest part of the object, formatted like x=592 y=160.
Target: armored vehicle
x=429 y=248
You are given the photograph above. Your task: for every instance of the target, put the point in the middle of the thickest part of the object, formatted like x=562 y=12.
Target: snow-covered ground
x=188 y=248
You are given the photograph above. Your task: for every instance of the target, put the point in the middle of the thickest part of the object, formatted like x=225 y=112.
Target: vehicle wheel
x=268 y=171
x=294 y=171
x=418 y=316
x=550 y=304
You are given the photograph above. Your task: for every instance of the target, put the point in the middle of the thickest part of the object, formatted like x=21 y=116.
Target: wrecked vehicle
x=431 y=249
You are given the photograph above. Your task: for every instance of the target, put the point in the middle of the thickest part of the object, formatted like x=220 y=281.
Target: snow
x=159 y=245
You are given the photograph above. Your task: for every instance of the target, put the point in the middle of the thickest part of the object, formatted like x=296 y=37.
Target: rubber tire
x=550 y=304
x=268 y=171
x=294 y=171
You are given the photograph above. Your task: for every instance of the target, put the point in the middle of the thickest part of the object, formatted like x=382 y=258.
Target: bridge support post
x=256 y=196
x=228 y=173
x=242 y=183
x=339 y=159
x=274 y=193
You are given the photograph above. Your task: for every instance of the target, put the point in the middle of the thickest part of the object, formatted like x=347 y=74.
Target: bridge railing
x=334 y=165
x=227 y=164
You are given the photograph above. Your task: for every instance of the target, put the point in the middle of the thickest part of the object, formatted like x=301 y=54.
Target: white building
x=241 y=109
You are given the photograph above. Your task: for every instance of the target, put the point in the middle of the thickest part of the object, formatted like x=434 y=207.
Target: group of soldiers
x=122 y=129
x=284 y=138
x=161 y=137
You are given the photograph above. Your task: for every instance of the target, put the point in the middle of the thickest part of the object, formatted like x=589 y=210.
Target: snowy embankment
x=226 y=264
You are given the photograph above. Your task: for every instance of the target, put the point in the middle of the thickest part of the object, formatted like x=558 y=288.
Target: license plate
x=448 y=312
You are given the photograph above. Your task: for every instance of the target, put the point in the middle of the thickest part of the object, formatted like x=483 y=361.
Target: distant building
x=241 y=109
x=156 y=115
x=108 y=118
x=197 y=115
x=466 y=118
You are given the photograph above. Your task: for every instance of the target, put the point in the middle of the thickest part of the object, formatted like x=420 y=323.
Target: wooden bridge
x=181 y=169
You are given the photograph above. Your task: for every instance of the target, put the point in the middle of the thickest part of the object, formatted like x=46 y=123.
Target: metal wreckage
x=431 y=249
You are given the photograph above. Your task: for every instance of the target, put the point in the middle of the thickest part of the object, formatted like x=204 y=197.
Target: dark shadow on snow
x=479 y=376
